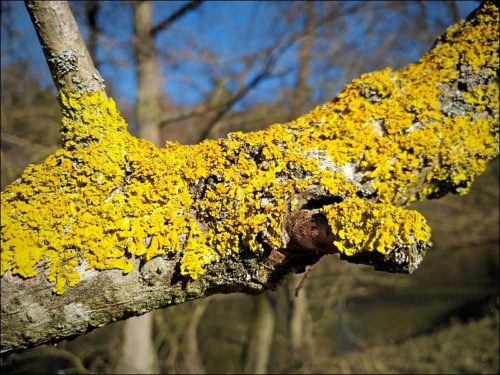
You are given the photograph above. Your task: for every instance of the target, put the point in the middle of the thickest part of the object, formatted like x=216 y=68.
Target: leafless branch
x=163 y=25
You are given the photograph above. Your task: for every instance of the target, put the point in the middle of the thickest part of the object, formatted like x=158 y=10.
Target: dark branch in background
x=225 y=105
x=453 y=10
x=264 y=73
x=271 y=57
x=302 y=92
x=91 y=11
x=175 y=16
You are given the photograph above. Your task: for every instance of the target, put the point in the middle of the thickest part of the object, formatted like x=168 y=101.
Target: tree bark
x=117 y=227
x=67 y=56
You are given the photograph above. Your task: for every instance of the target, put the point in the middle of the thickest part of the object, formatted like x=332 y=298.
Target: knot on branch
x=387 y=237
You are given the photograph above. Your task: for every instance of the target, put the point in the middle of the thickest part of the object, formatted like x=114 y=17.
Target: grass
x=461 y=348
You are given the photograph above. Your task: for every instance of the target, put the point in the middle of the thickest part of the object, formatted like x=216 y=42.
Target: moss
x=107 y=198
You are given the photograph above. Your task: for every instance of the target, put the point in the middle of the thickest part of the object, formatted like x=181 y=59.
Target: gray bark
x=31 y=315
x=67 y=56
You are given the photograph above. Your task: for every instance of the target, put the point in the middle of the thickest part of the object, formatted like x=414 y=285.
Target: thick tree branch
x=110 y=226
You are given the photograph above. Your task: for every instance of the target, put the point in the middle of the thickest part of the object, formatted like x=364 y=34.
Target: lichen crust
x=107 y=198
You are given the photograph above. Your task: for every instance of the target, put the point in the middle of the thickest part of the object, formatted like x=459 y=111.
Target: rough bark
x=67 y=56
x=284 y=197
x=32 y=315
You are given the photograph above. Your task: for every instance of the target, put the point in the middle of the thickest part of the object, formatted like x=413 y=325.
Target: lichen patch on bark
x=389 y=138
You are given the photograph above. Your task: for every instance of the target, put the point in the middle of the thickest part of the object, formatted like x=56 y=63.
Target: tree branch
x=226 y=106
x=110 y=226
x=191 y=5
x=271 y=55
x=67 y=56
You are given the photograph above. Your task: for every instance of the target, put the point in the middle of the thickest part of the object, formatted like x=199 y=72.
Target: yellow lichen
x=359 y=225
x=107 y=198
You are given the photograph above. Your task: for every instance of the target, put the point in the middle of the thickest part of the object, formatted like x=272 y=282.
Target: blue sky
x=224 y=28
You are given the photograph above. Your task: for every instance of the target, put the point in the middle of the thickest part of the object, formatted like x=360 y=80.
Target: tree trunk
x=298 y=321
x=138 y=351
x=260 y=336
x=148 y=106
x=192 y=355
